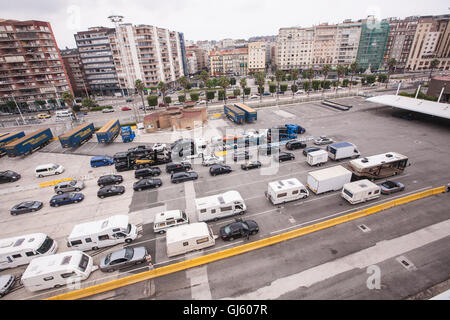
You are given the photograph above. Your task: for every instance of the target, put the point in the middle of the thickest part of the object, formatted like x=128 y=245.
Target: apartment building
x=201 y=55
x=295 y=48
x=372 y=44
x=229 y=62
x=431 y=41
x=324 y=48
x=256 y=57
x=75 y=72
x=347 y=42
x=191 y=63
x=31 y=67
x=96 y=56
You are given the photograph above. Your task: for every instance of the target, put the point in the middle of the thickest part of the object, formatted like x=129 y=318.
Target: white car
x=300 y=92
x=158 y=147
x=254 y=96
x=106 y=110
x=177 y=103
x=201 y=102
x=323 y=140
x=211 y=160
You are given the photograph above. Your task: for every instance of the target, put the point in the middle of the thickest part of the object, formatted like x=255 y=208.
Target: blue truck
x=250 y=113
x=108 y=132
x=8 y=138
x=77 y=136
x=127 y=134
x=234 y=114
x=285 y=132
x=29 y=143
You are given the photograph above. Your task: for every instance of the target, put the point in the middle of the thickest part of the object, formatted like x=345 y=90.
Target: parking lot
x=372 y=128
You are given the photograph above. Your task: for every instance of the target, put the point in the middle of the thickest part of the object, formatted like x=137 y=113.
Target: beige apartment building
x=324 y=48
x=256 y=57
x=201 y=56
x=229 y=62
x=347 y=42
x=294 y=48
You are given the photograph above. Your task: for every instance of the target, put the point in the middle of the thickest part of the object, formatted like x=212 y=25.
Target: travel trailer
x=285 y=191
x=220 y=206
x=360 y=191
x=189 y=237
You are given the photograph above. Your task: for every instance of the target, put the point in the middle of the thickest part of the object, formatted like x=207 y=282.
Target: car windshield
x=8 y=173
x=227 y=230
x=72 y=195
x=108 y=259
x=73 y=182
x=55 y=166
x=46 y=245
x=128 y=229
x=129 y=253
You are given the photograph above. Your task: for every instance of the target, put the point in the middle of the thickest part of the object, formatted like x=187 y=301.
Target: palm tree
x=353 y=68
x=139 y=85
x=204 y=76
x=260 y=81
x=325 y=71
x=433 y=65
x=243 y=83
x=294 y=75
x=224 y=83
x=391 y=65
x=340 y=69
x=69 y=100
x=310 y=75
x=162 y=86
x=278 y=76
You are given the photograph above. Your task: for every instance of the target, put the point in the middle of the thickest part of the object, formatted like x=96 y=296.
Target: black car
x=147 y=172
x=219 y=169
x=310 y=149
x=25 y=207
x=251 y=165
x=139 y=151
x=183 y=176
x=124 y=166
x=9 y=176
x=109 y=180
x=147 y=184
x=284 y=156
x=120 y=157
x=295 y=144
x=110 y=191
x=173 y=167
x=241 y=155
x=238 y=229
x=66 y=198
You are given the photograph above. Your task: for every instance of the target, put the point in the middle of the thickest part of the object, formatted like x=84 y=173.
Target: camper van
x=63 y=113
x=102 y=233
x=169 y=219
x=219 y=206
x=48 y=169
x=57 y=270
x=21 y=250
x=360 y=191
x=189 y=237
x=285 y=191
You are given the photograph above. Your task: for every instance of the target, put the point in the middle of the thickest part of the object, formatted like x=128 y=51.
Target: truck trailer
x=250 y=113
x=8 y=138
x=234 y=114
x=108 y=132
x=329 y=179
x=29 y=143
x=342 y=150
x=77 y=136
x=317 y=158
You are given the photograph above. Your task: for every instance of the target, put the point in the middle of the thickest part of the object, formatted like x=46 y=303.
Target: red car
x=126 y=108
x=163 y=105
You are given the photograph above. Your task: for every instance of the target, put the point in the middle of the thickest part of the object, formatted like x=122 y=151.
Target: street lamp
x=12 y=95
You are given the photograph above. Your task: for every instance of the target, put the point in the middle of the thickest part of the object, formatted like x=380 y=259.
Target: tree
x=294 y=89
x=279 y=74
x=391 y=65
x=433 y=65
x=345 y=83
x=168 y=100
x=353 y=68
x=260 y=78
x=162 y=86
x=243 y=83
x=182 y=98
x=283 y=87
x=316 y=85
x=139 y=85
x=382 y=78
x=224 y=83
x=363 y=80
x=247 y=91
x=272 y=87
x=194 y=96
x=237 y=92
x=294 y=75
x=205 y=77
x=184 y=82
x=326 y=84
x=371 y=79
x=233 y=81
x=69 y=99
x=221 y=95
x=305 y=86
x=310 y=75
x=87 y=103
x=325 y=71
x=210 y=95
x=340 y=69
x=152 y=101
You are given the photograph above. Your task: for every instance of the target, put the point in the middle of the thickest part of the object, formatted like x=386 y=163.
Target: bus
x=378 y=166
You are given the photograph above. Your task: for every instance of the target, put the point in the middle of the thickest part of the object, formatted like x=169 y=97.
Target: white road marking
x=200 y=289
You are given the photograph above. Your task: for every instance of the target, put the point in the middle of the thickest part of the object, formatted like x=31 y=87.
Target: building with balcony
x=31 y=67
x=229 y=62
x=191 y=63
x=348 y=35
x=75 y=71
x=256 y=57
x=294 y=49
x=201 y=56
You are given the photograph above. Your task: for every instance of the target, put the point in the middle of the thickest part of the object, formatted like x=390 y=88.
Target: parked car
x=110 y=191
x=201 y=102
x=7 y=282
x=107 y=110
x=159 y=147
x=177 y=103
x=280 y=92
x=126 y=109
x=241 y=155
x=9 y=176
x=128 y=100
x=219 y=169
x=161 y=105
x=173 y=167
x=147 y=172
x=323 y=140
x=254 y=96
x=267 y=93
x=69 y=186
x=300 y=92
x=284 y=156
x=251 y=165
x=109 y=179
x=147 y=184
x=124 y=258
x=66 y=198
x=183 y=177
x=310 y=149
x=25 y=207
x=211 y=160
x=295 y=144
x=139 y=151
x=43 y=116
x=232 y=97
x=238 y=229
x=390 y=187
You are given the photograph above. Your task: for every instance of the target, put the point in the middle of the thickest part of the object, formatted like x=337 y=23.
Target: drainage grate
x=364 y=228
x=406 y=263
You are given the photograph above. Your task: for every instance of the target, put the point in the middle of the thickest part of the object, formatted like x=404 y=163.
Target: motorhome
x=220 y=206
x=360 y=191
x=168 y=219
x=285 y=191
x=55 y=271
x=189 y=237
x=379 y=166
x=317 y=158
x=102 y=233
x=21 y=250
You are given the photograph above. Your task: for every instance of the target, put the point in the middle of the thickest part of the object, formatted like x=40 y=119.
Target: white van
x=360 y=191
x=285 y=191
x=65 y=268
x=168 y=219
x=63 y=113
x=189 y=237
x=220 y=206
x=48 y=169
x=21 y=250
x=102 y=233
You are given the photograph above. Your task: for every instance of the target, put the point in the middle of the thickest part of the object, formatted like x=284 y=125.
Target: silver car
x=124 y=258
x=69 y=186
x=212 y=160
x=323 y=140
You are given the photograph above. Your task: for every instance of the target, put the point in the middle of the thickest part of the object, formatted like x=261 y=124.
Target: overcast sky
x=209 y=19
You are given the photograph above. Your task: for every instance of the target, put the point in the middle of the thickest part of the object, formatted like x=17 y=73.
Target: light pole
x=12 y=95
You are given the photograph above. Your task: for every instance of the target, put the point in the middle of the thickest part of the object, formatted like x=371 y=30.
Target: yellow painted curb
x=53 y=183
x=183 y=265
x=217 y=115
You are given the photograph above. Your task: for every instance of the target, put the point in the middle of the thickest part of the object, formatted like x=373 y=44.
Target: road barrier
x=53 y=183
x=172 y=268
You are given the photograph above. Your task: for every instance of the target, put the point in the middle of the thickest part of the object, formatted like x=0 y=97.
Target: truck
x=284 y=132
x=360 y=191
x=343 y=150
x=77 y=136
x=8 y=138
x=127 y=134
x=317 y=158
x=108 y=132
x=250 y=113
x=329 y=179
x=234 y=114
x=29 y=143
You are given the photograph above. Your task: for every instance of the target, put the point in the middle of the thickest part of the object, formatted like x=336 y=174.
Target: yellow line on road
x=53 y=183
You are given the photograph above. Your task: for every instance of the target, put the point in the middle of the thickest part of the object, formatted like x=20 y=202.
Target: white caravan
x=220 y=206
x=102 y=233
x=168 y=219
x=317 y=158
x=285 y=191
x=329 y=179
x=65 y=268
x=360 y=191
x=21 y=250
x=189 y=237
